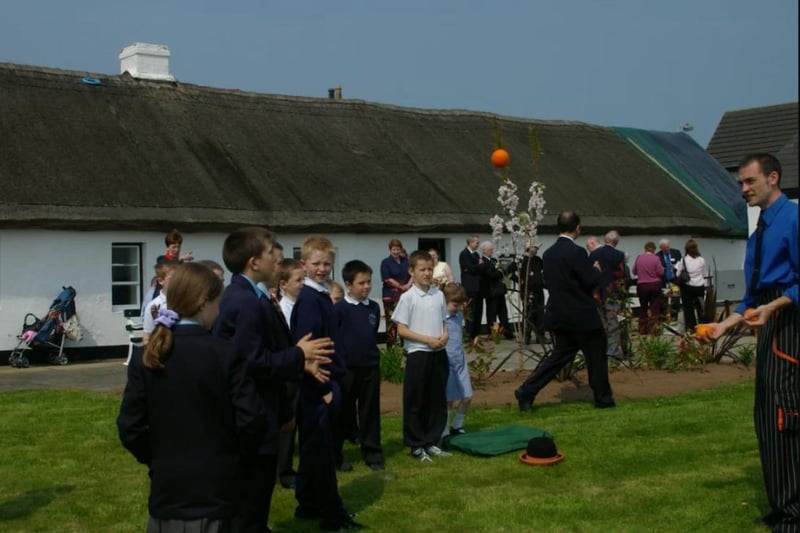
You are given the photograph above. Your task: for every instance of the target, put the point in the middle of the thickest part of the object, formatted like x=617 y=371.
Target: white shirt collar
x=316 y=286
x=350 y=300
x=421 y=292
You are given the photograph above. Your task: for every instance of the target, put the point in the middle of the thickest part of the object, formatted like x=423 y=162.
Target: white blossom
x=522 y=226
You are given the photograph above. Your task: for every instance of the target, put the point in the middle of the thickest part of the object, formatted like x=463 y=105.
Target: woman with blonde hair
x=189 y=412
x=694 y=290
x=442 y=273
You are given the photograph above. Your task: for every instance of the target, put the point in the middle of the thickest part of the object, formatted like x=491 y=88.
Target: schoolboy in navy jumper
x=420 y=317
x=316 y=490
x=357 y=319
x=250 y=319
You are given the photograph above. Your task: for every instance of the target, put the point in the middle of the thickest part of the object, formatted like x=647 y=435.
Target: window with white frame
x=126 y=275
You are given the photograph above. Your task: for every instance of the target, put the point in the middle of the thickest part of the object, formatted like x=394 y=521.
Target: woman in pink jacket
x=648 y=270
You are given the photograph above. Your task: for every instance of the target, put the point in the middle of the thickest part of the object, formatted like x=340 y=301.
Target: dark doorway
x=439 y=244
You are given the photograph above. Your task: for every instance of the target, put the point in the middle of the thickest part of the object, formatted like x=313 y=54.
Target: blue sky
x=639 y=63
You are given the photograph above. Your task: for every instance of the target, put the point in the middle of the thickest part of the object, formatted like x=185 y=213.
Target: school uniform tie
x=760 y=225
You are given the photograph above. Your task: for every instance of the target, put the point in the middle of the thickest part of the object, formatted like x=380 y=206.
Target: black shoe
x=524 y=404
x=304 y=513
x=456 y=431
x=376 y=466
x=607 y=405
x=345 y=467
x=345 y=524
x=769 y=520
x=288 y=482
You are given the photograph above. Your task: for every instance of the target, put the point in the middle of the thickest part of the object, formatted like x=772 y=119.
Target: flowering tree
x=520 y=224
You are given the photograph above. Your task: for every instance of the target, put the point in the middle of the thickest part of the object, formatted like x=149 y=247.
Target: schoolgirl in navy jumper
x=189 y=411
x=357 y=318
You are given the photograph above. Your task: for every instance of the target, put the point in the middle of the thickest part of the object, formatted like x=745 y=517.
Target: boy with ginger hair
x=316 y=490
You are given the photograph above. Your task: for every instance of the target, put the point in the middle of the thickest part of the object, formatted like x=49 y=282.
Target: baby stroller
x=60 y=323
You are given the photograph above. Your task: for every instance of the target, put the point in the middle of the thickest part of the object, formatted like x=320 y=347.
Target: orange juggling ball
x=747 y=315
x=703 y=330
x=500 y=158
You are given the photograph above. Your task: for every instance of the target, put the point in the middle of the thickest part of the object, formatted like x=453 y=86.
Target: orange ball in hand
x=749 y=311
x=703 y=330
x=500 y=158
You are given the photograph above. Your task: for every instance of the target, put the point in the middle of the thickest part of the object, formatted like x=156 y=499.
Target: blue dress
x=459 y=385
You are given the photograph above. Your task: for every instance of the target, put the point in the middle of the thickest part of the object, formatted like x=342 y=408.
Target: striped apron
x=777 y=409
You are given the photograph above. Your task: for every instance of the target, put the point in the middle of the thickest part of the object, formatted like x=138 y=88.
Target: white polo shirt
x=422 y=312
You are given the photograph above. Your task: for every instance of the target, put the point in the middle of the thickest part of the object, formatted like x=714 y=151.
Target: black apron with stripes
x=777 y=408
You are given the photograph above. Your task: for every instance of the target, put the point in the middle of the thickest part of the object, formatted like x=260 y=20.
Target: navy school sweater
x=358 y=333
x=313 y=313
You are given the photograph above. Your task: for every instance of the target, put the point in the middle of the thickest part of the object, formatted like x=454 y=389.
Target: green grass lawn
x=684 y=463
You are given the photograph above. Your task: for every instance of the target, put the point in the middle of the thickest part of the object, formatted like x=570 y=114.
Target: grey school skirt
x=201 y=525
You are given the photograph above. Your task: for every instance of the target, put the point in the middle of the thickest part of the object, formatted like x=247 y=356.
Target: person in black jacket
x=189 y=411
x=611 y=293
x=572 y=316
x=472 y=267
x=531 y=288
x=493 y=290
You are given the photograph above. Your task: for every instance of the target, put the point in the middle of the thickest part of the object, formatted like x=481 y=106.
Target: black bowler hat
x=541 y=451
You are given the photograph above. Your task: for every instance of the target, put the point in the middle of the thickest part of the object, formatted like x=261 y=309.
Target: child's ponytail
x=160 y=343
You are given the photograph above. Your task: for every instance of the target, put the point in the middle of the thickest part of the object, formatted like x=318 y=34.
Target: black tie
x=757 y=258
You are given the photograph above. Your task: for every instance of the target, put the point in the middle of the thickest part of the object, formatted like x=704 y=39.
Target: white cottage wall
x=35 y=264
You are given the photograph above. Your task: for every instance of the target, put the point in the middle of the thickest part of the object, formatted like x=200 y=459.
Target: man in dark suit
x=670 y=258
x=469 y=260
x=572 y=316
x=611 y=291
x=531 y=288
x=493 y=290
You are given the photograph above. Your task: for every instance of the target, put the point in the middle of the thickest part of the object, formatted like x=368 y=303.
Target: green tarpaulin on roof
x=701 y=176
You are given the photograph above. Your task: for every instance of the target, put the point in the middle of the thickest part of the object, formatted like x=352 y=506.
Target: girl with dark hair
x=189 y=412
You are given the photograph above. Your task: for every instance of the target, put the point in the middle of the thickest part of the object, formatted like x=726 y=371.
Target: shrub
x=481 y=360
x=392 y=364
x=745 y=353
x=656 y=351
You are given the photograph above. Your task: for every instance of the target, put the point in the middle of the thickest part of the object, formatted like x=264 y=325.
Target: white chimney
x=145 y=60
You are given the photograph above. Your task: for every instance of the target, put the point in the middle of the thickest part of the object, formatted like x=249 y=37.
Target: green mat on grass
x=495 y=441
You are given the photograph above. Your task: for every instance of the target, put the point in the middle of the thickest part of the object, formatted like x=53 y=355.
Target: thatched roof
x=127 y=153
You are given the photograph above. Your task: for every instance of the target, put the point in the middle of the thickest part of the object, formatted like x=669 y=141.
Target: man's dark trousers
x=566 y=345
